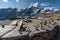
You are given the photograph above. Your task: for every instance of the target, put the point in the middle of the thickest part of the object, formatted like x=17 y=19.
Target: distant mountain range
x=6 y=13
x=35 y=8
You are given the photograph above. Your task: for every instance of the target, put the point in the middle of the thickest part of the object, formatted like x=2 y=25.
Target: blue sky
x=25 y=3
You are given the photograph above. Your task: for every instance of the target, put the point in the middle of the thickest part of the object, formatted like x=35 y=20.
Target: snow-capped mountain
x=36 y=8
x=34 y=5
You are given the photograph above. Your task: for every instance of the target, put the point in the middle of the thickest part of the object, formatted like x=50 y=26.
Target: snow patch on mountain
x=56 y=9
x=44 y=4
x=35 y=4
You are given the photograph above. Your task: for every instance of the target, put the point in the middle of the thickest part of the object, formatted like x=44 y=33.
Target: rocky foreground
x=29 y=29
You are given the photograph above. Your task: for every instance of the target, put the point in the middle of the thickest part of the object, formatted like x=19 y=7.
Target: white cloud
x=44 y=4
x=17 y=1
x=5 y=1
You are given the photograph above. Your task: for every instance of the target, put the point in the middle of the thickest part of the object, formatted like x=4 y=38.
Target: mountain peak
x=36 y=4
x=30 y=5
